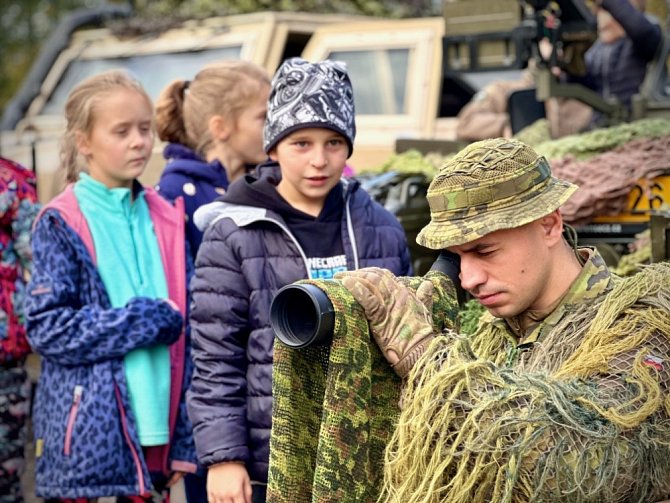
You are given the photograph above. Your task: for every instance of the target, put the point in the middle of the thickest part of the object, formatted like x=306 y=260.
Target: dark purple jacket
x=247 y=254
x=188 y=176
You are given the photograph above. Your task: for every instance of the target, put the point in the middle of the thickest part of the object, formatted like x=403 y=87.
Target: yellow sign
x=646 y=195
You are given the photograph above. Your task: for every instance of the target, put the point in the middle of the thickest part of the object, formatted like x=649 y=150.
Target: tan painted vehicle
x=411 y=77
x=33 y=122
x=403 y=86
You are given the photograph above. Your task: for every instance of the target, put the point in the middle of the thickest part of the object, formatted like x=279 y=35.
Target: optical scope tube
x=302 y=315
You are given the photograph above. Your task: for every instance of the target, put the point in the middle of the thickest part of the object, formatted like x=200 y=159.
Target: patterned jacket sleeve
x=63 y=326
x=217 y=398
x=18 y=209
x=26 y=212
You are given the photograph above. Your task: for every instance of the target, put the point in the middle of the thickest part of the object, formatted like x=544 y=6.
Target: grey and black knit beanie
x=306 y=95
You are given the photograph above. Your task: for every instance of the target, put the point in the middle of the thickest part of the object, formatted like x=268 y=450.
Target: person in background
x=214 y=126
x=18 y=209
x=616 y=64
x=294 y=218
x=485 y=115
x=615 y=67
x=105 y=310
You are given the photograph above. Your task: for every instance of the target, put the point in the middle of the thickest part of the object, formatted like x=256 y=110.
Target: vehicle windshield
x=154 y=71
x=379 y=79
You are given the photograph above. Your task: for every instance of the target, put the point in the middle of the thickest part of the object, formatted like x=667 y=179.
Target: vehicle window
x=379 y=79
x=154 y=71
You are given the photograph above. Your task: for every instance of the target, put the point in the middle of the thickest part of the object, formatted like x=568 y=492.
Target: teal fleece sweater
x=129 y=263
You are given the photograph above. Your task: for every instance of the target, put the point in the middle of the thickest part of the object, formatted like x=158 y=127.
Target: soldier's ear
x=552 y=226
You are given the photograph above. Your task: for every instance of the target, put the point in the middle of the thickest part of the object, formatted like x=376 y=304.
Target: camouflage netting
x=335 y=408
x=412 y=161
x=583 y=418
x=586 y=145
x=469 y=316
x=606 y=180
x=605 y=163
x=536 y=133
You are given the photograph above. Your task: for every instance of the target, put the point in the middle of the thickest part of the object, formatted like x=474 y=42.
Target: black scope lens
x=302 y=315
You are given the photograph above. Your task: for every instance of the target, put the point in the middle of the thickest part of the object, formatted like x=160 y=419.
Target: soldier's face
x=510 y=271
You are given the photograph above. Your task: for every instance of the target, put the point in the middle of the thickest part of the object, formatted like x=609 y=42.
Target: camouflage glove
x=399 y=318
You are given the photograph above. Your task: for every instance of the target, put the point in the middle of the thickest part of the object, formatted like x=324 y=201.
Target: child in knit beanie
x=295 y=218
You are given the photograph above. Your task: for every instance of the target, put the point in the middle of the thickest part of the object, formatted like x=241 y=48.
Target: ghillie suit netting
x=581 y=417
x=335 y=407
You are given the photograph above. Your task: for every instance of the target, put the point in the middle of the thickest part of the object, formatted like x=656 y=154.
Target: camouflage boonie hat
x=488 y=186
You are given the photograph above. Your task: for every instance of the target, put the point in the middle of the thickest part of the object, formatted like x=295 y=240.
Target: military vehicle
x=410 y=80
x=92 y=40
x=477 y=52
x=395 y=66
x=411 y=77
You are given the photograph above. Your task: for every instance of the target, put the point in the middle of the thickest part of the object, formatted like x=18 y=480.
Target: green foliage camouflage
x=412 y=161
x=581 y=146
x=335 y=407
x=469 y=316
x=591 y=143
x=536 y=133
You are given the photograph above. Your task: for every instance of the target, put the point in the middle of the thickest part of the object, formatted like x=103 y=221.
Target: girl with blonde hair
x=214 y=129
x=105 y=310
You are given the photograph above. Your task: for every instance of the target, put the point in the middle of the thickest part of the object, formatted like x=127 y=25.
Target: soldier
x=561 y=393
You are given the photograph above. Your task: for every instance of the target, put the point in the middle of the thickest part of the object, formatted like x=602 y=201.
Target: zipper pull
x=78 y=391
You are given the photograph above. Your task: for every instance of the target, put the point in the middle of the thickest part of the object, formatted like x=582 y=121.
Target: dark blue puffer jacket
x=247 y=254
x=193 y=179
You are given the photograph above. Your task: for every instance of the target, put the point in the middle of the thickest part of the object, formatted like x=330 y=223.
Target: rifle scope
x=302 y=315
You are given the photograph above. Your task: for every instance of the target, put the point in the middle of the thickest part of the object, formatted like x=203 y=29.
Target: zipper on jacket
x=76 y=400
x=292 y=238
x=288 y=232
x=126 y=435
x=350 y=231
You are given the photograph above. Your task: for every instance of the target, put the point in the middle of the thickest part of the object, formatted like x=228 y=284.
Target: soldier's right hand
x=399 y=317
